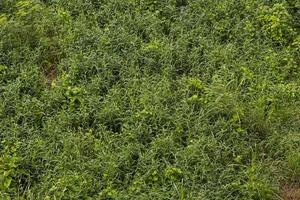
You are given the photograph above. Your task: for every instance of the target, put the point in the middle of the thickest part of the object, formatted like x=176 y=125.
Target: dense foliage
x=149 y=99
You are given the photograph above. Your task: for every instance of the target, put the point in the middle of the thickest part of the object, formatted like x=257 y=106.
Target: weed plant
x=149 y=99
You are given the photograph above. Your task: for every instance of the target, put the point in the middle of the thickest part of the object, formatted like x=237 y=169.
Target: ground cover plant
x=145 y=99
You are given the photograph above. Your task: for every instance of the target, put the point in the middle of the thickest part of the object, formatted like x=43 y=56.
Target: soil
x=290 y=192
x=51 y=74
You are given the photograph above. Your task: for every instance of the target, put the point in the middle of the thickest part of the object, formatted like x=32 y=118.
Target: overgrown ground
x=144 y=99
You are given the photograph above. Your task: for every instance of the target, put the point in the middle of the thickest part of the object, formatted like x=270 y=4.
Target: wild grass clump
x=144 y=99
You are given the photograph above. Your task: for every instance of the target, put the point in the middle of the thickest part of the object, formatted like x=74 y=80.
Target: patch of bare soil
x=290 y=192
x=51 y=74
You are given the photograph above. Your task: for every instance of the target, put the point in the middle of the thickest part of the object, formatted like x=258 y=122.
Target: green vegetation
x=149 y=99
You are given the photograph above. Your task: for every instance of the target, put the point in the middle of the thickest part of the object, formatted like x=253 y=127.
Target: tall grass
x=144 y=99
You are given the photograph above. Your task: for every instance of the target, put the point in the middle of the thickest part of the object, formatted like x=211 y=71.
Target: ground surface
x=144 y=99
